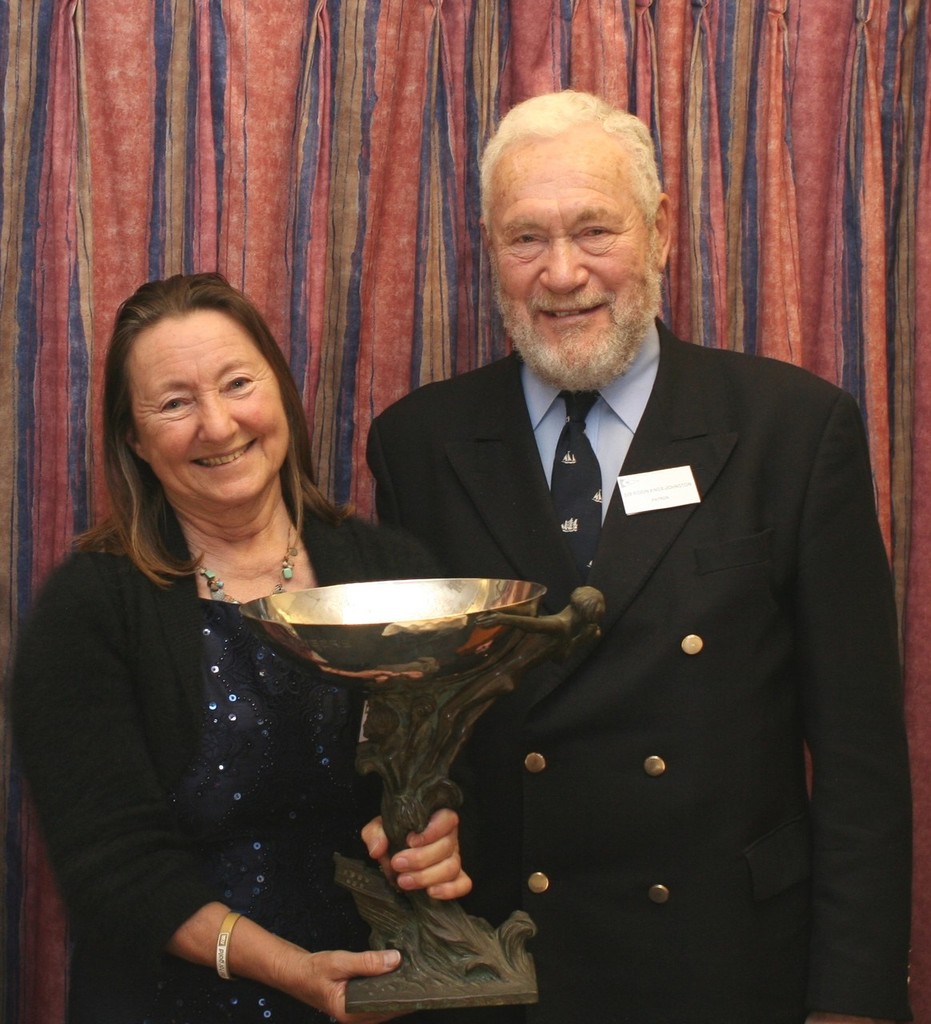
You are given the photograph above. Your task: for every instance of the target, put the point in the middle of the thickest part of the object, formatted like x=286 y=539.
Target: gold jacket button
x=654 y=766
x=658 y=893
x=692 y=644
x=534 y=762
x=538 y=882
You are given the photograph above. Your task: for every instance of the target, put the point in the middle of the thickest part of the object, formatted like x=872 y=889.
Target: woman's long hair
x=139 y=508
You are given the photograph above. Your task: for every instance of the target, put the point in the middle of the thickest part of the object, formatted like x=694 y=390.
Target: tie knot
x=578 y=404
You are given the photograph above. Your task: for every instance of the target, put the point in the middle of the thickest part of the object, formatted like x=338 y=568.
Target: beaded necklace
x=215 y=585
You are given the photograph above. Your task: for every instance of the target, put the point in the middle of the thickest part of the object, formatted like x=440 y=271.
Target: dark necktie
x=576 y=481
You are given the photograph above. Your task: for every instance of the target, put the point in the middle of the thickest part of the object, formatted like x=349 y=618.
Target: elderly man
x=649 y=804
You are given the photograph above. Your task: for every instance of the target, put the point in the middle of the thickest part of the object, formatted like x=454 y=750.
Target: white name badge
x=663 y=488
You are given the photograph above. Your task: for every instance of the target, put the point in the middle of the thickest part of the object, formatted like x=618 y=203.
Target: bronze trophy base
x=450 y=959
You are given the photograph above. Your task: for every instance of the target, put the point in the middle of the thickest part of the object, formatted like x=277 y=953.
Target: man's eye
x=529 y=242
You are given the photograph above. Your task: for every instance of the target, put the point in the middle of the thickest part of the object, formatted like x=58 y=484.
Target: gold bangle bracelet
x=223 y=944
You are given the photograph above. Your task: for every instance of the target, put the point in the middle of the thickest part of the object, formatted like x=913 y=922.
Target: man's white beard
x=579 y=362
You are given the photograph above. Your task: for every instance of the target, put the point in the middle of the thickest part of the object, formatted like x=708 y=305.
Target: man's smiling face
x=577 y=262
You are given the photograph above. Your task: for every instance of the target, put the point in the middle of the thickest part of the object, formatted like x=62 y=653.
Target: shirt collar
x=627 y=395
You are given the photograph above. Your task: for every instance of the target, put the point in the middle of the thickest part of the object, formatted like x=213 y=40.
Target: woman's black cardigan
x=105 y=708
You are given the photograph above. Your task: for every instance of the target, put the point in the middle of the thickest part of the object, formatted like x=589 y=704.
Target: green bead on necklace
x=216 y=586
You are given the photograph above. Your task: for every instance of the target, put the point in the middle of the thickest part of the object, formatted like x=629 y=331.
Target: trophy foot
x=394 y=993
x=450 y=959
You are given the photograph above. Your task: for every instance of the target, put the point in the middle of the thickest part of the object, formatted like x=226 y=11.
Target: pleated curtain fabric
x=576 y=481
x=323 y=155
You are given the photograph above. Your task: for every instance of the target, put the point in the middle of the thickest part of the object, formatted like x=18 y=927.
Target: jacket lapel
x=500 y=469
x=677 y=429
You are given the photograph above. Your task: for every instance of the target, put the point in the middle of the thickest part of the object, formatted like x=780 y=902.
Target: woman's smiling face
x=207 y=413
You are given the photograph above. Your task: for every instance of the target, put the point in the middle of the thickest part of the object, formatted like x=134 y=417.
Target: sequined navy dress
x=272 y=793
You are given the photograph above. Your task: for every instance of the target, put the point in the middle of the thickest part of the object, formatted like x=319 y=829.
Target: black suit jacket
x=691 y=877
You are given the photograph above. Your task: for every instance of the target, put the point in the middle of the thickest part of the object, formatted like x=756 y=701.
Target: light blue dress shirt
x=612 y=421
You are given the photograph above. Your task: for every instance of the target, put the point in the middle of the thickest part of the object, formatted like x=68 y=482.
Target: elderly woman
x=182 y=772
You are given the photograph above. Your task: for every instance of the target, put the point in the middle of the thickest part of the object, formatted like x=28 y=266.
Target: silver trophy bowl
x=408 y=629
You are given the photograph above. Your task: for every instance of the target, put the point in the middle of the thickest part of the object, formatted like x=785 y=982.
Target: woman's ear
x=133 y=443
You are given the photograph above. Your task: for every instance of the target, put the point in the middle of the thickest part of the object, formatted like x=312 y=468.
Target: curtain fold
x=305 y=226
x=861 y=288
x=908 y=212
x=704 y=189
x=323 y=154
x=742 y=72
x=916 y=267
x=673 y=29
x=772 y=299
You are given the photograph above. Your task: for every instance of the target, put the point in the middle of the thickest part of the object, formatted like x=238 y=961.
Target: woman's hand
x=431 y=860
x=317 y=979
x=320 y=979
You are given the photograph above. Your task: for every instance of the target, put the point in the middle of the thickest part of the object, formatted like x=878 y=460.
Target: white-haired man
x=649 y=804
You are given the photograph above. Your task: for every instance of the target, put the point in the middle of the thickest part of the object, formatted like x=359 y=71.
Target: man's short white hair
x=548 y=116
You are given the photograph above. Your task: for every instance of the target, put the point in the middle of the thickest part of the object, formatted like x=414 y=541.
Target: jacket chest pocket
x=731 y=554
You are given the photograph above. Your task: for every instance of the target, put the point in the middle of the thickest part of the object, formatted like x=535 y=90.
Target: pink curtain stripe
x=645 y=69
x=599 y=59
x=818 y=55
x=673 y=45
x=263 y=66
x=121 y=136
x=205 y=199
x=406 y=190
x=536 y=51
x=779 y=288
x=57 y=252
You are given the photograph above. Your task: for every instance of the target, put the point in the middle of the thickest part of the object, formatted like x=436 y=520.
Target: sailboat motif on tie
x=576 y=481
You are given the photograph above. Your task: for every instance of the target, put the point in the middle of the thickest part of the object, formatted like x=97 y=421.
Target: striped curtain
x=323 y=154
